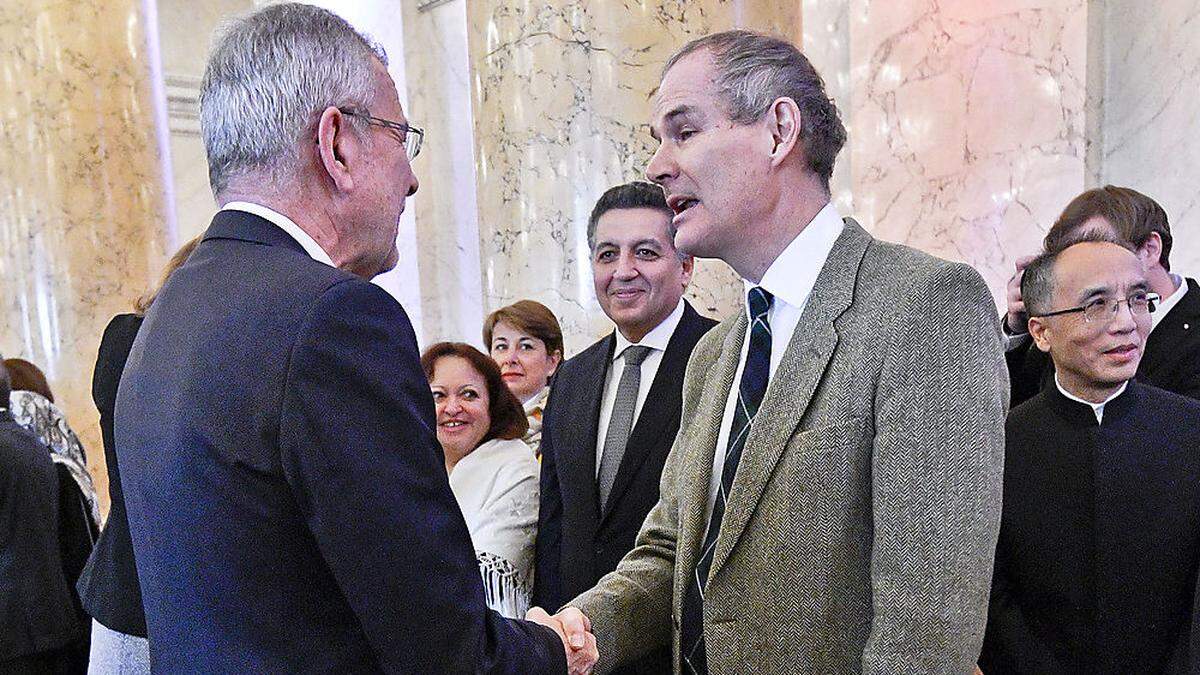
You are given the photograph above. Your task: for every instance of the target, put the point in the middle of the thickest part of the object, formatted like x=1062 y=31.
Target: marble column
x=1148 y=119
x=83 y=188
x=966 y=120
x=447 y=228
x=382 y=22
x=561 y=93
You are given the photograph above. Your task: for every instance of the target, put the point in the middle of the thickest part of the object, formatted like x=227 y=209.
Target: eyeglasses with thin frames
x=410 y=137
x=1101 y=310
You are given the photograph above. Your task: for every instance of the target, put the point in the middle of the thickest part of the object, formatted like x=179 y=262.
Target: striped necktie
x=750 y=395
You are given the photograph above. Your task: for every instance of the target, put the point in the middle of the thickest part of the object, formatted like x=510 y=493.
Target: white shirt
x=790 y=278
x=286 y=224
x=1168 y=303
x=1097 y=408
x=657 y=341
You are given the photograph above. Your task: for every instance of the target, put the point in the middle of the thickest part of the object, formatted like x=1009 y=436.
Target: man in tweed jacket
x=849 y=526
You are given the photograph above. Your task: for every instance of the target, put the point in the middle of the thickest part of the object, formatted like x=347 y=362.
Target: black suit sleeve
x=359 y=450
x=1008 y=644
x=547 y=584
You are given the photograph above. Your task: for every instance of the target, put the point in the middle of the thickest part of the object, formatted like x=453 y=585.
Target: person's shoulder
x=506 y=461
x=21 y=453
x=1175 y=411
x=919 y=268
x=588 y=357
x=1026 y=417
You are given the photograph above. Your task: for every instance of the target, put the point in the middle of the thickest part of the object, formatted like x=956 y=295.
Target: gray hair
x=269 y=75
x=1037 y=282
x=753 y=70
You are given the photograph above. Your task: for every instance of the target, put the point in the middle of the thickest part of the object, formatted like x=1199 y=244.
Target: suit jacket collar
x=792 y=387
x=243 y=226
x=1179 y=324
x=579 y=468
x=662 y=403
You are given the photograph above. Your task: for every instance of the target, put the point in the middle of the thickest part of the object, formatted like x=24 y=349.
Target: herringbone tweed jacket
x=862 y=523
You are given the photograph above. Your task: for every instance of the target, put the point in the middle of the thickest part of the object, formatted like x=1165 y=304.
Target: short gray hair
x=269 y=75
x=1038 y=279
x=753 y=70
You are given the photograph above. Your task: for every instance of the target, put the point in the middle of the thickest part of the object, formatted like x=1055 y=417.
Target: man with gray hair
x=287 y=498
x=832 y=499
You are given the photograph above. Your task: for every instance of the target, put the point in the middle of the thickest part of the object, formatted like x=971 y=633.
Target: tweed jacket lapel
x=791 y=388
x=699 y=441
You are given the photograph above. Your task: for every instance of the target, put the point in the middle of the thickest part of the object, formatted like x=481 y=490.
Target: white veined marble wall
x=1149 y=126
x=965 y=120
x=447 y=228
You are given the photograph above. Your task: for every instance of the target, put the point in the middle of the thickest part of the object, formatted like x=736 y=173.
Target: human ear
x=784 y=122
x=1038 y=330
x=336 y=147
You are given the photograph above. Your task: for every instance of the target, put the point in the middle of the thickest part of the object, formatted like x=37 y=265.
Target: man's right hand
x=1016 y=319
x=575 y=631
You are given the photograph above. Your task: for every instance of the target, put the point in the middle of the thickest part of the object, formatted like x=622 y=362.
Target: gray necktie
x=621 y=421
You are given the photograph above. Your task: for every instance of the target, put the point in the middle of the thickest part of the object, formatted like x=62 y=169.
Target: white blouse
x=497 y=489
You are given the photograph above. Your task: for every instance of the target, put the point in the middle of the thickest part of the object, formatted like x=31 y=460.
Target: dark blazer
x=1171 y=359
x=577 y=543
x=37 y=609
x=287 y=498
x=1099 y=543
x=109 y=586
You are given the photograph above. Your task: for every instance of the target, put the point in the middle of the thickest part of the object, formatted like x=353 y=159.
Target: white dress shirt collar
x=792 y=276
x=1168 y=303
x=658 y=338
x=1097 y=408
x=286 y=224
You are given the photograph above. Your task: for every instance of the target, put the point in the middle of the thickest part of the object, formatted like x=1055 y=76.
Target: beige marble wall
x=447 y=216
x=561 y=99
x=186 y=28
x=83 y=218
x=1148 y=117
x=965 y=119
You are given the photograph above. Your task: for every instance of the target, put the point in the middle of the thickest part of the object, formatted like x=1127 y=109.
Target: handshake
x=574 y=629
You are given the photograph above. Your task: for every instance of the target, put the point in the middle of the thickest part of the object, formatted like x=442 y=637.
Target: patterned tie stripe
x=751 y=389
x=620 y=423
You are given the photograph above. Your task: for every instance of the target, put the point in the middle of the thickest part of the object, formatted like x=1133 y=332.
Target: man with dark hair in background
x=1096 y=564
x=1171 y=359
x=614 y=408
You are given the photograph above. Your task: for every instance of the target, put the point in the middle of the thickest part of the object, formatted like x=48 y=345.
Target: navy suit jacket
x=287 y=498
x=578 y=541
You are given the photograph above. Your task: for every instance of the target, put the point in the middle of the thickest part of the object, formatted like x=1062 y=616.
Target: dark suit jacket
x=109 y=585
x=1100 y=538
x=287 y=498
x=577 y=543
x=37 y=608
x=1171 y=360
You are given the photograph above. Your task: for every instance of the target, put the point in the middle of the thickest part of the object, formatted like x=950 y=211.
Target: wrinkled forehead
x=1095 y=268
x=690 y=83
x=625 y=228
